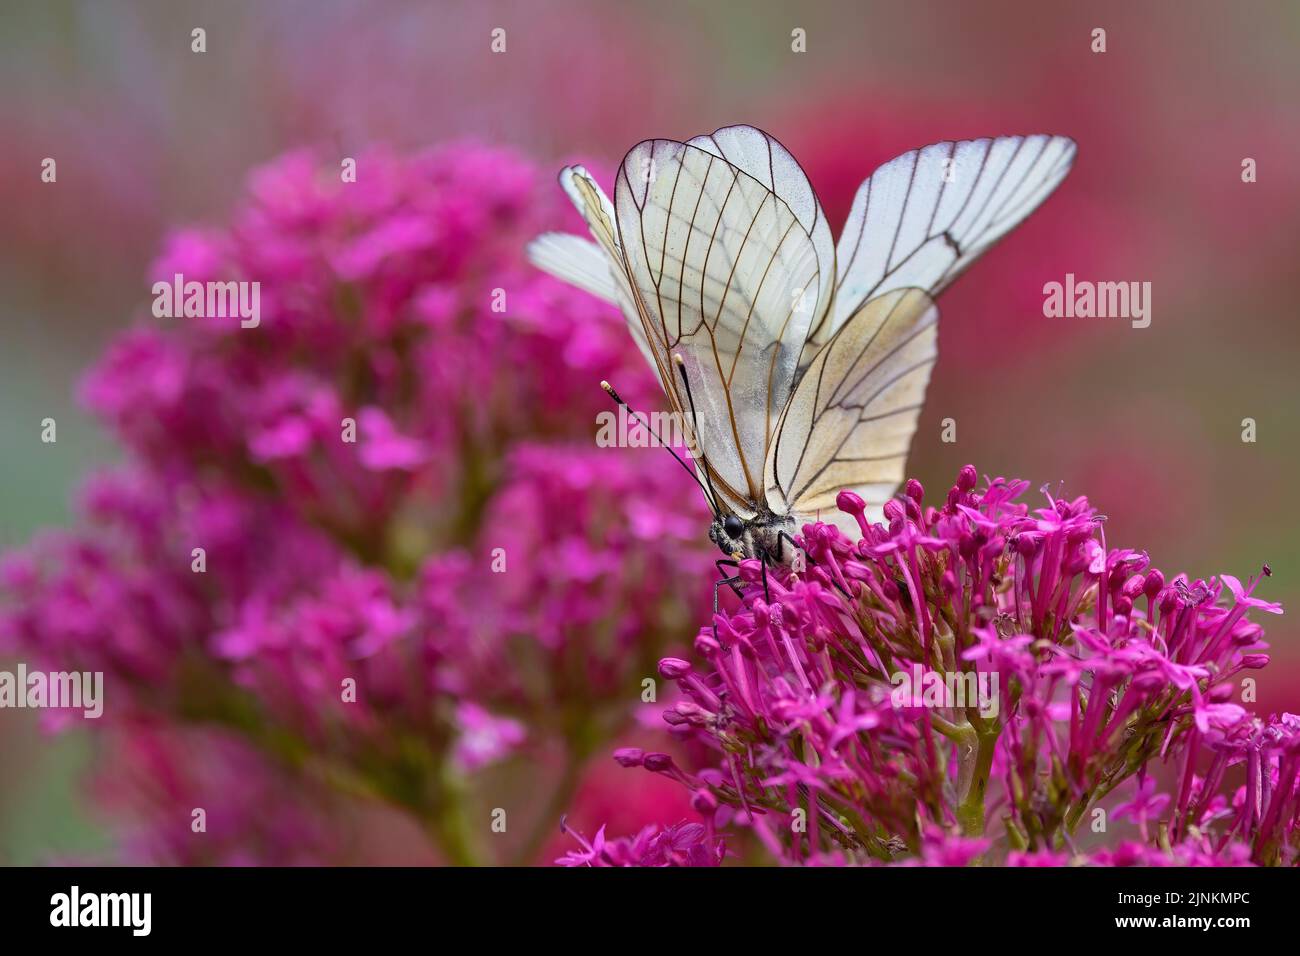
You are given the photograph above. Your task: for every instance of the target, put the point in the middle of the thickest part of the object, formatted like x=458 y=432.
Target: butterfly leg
x=767 y=595
x=717 y=586
x=729 y=563
x=731 y=581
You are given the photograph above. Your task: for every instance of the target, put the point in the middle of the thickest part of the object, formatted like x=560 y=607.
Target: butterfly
x=799 y=364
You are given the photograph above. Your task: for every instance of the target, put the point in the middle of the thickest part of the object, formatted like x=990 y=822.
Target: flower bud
x=1133 y=587
x=1154 y=582
x=658 y=762
x=704 y=802
x=690 y=712
x=674 y=668
x=629 y=756
x=850 y=502
x=705 y=645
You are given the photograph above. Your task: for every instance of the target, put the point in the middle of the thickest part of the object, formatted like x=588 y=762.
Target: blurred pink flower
x=202 y=798
x=484 y=739
x=302 y=546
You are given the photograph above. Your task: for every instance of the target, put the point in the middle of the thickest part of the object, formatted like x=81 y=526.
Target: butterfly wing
x=729 y=260
x=596 y=267
x=808 y=363
x=850 y=421
x=759 y=155
x=921 y=219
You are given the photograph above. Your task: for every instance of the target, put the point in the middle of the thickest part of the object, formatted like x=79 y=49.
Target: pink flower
x=384 y=448
x=484 y=739
x=374 y=532
x=683 y=844
x=1060 y=668
x=1146 y=803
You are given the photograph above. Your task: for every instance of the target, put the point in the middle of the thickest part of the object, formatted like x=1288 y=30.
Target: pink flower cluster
x=371 y=537
x=1064 y=673
x=367 y=550
x=683 y=844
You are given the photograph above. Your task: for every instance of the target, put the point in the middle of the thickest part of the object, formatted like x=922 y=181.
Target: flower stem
x=448 y=827
x=974 y=774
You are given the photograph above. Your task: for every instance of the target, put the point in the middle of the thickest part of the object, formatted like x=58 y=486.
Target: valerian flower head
x=1051 y=669
x=372 y=534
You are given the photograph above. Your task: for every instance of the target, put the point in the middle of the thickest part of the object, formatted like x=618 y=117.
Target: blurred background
x=1148 y=423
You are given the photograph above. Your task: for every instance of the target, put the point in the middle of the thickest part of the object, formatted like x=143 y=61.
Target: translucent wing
x=729 y=259
x=578 y=261
x=595 y=267
x=851 y=418
x=754 y=152
x=921 y=219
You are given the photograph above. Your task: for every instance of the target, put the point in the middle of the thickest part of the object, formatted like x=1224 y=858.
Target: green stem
x=448 y=827
x=975 y=777
x=1016 y=836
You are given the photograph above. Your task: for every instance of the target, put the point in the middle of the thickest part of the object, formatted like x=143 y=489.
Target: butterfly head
x=756 y=537
x=728 y=533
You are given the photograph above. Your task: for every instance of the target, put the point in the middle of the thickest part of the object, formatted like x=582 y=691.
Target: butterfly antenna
x=695 y=426
x=618 y=399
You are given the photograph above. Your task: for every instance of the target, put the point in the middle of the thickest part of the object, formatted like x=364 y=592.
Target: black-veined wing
x=730 y=260
x=921 y=219
x=850 y=421
x=595 y=267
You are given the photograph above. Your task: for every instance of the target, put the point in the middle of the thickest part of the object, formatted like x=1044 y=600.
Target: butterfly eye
x=733 y=526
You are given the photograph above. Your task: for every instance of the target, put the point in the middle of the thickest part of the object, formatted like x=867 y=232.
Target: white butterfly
x=799 y=365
